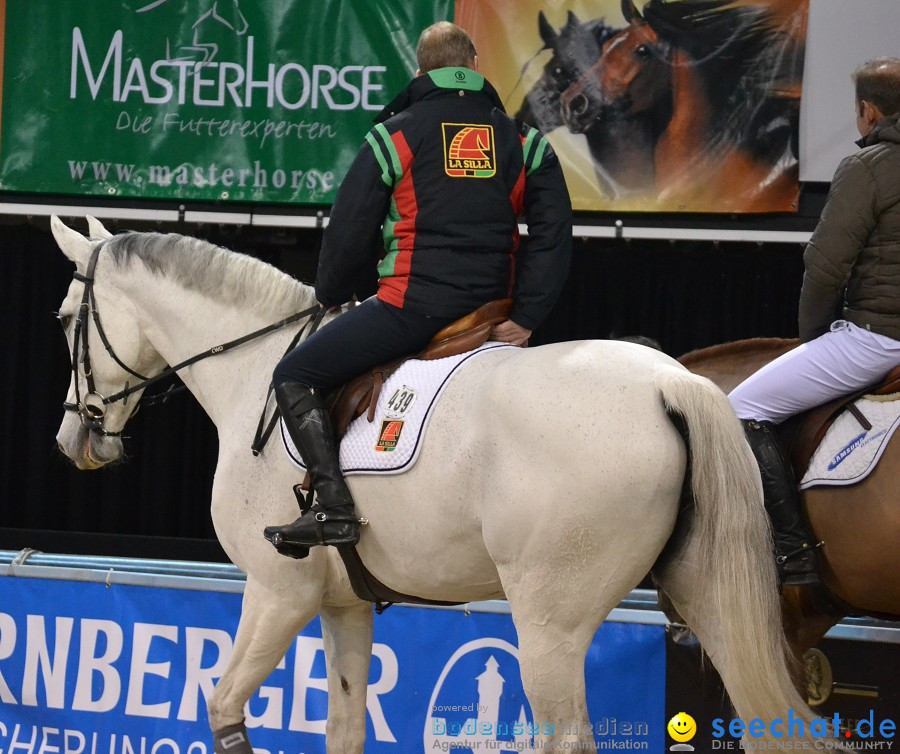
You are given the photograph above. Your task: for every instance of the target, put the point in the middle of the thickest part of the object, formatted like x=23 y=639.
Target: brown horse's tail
x=720 y=574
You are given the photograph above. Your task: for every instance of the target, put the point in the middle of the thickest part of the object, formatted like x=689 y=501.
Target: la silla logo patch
x=469 y=150
x=389 y=435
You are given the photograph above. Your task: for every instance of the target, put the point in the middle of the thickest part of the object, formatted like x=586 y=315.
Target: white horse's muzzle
x=87 y=449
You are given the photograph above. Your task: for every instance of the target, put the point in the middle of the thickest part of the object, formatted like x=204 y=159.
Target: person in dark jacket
x=434 y=193
x=849 y=315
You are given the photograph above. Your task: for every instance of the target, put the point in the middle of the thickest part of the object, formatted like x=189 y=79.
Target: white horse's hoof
x=232 y=740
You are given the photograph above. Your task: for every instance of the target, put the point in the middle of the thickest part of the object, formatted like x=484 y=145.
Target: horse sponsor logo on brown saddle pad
x=850 y=450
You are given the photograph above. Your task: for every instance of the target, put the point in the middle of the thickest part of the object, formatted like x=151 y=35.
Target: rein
x=92 y=414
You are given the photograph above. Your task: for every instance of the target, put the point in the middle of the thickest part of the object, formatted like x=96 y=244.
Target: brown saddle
x=360 y=395
x=802 y=434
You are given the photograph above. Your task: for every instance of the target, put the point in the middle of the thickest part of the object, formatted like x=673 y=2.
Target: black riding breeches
x=366 y=336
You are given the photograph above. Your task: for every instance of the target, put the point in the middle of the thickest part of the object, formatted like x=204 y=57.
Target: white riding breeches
x=842 y=361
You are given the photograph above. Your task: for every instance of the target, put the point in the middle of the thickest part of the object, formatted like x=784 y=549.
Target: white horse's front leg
x=347 y=633
x=269 y=622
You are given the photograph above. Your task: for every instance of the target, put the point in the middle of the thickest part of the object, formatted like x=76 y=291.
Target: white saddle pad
x=849 y=452
x=390 y=444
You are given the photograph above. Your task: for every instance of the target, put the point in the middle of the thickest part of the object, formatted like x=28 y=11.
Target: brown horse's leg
x=807 y=617
x=860 y=525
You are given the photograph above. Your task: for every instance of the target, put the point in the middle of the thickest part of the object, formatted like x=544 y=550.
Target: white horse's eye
x=64 y=320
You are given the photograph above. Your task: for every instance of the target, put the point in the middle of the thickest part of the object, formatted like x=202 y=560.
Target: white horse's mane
x=214 y=271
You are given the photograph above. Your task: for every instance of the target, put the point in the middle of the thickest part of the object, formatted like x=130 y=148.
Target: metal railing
x=639 y=606
x=626 y=228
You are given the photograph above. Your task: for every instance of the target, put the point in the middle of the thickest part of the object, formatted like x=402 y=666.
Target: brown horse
x=859 y=524
x=622 y=152
x=717 y=86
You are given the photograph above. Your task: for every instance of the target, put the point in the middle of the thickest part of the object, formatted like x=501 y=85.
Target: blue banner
x=91 y=669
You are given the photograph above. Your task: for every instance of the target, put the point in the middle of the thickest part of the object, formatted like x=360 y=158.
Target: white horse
x=550 y=476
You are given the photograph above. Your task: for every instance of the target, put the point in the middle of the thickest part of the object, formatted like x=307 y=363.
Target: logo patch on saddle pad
x=469 y=150
x=390 y=444
x=849 y=452
x=389 y=435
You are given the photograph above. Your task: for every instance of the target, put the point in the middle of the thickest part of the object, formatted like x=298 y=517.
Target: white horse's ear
x=96 y=229
x=74 y=245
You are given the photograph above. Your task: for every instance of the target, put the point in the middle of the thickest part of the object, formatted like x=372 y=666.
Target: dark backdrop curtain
x=156 y=502
x=685 y=295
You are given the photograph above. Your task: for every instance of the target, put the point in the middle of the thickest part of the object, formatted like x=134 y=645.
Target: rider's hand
x=510 y=332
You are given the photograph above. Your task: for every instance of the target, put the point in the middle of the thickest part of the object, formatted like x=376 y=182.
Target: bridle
x=92 y=412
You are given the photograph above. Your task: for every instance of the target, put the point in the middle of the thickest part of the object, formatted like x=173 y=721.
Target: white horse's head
x=89 y=433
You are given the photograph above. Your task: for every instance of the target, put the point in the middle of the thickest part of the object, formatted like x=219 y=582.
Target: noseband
x=92 y=412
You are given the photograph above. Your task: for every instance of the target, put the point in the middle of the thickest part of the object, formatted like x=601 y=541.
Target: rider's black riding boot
x=331 y=520
x=795 y=548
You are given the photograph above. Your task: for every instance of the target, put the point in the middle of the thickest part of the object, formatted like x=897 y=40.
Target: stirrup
x=288 y=549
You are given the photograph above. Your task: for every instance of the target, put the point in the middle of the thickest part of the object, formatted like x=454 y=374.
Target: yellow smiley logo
x=682 y=727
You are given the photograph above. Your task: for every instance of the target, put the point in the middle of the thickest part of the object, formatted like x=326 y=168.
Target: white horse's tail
x=720 y=575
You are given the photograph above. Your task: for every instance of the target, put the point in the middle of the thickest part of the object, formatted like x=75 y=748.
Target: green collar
x=457 y=78
x=437 y=82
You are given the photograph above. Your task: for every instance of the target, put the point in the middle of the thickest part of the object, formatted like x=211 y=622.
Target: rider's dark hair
x=878 y=82
x=443 y=45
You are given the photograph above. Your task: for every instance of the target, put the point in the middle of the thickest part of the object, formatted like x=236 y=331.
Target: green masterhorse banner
x=206 y=100
x=269 y=100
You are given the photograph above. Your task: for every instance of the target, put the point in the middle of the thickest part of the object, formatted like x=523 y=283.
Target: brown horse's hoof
x=232 y=739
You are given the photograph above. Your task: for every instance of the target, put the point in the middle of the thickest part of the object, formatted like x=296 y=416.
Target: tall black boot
x=796 y=551
x=332 y=519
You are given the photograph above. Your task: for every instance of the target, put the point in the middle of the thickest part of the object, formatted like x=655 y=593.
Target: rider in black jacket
x=435 y=193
